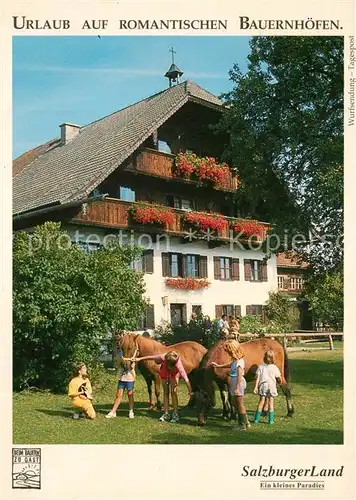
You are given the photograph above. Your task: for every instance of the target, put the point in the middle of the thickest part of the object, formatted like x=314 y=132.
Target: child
x=126 y=376
x=267 y=375
x=237 y=380
x=171 y=370
x=80 y=392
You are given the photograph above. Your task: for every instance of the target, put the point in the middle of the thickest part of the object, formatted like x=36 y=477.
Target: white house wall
x=239 y=292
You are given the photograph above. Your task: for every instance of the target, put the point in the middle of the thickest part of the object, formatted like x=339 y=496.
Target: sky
x=81 y=79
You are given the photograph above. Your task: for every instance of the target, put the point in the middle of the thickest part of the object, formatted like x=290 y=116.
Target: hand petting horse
x=135 y=345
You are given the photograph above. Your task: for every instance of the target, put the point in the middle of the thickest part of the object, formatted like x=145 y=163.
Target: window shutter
x=184 y=266
x=217 y=275
x=237 y=310
x=165 y=264
x=235 y=271
x=264 y=270
x=247 y=270
x=150 y=316
x=147 y=259
x=249 y=310
x=203 y=266
x=218 y=311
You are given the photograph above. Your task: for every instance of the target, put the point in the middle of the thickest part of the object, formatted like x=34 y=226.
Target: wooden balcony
x=158 y=164
x=115 y=214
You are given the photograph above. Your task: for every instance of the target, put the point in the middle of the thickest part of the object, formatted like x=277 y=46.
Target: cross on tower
x=173 y=52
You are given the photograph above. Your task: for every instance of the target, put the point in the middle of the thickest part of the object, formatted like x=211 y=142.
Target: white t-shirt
x=268 y=375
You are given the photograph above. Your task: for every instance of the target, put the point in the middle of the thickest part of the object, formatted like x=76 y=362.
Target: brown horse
x=133 y=345
x=254 y=354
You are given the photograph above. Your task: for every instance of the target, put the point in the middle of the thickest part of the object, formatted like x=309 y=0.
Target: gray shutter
x=249 y=310
x=150 y=316
x=237 y=312
x=203 y=266
x=218 y=311
x=235 y=271
x=264 y=276
x=165 y=264
x=217 y=274
x=247 y=270
x=147 y=259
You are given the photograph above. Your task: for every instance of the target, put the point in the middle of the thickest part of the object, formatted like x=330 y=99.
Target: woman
x=171 y=370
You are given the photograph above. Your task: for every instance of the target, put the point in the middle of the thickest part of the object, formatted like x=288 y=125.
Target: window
x=126 y=194
x=228 y=309
x=192 y=266
x=87 y=246
x=177 y=265
x=226 y=269
x=254 y=310
x=148 y=318
x=280 y=282
x=180 y=203
x=144 y=263
x=296 y=283
x=255 y=270
x=163 y=147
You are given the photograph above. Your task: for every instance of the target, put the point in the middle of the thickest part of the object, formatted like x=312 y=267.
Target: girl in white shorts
x=267 y=376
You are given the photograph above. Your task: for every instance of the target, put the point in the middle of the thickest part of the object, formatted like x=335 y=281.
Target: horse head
x=128 y=344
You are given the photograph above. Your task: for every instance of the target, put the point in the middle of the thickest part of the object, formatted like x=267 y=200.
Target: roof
x=58 y=174
x=290 y=259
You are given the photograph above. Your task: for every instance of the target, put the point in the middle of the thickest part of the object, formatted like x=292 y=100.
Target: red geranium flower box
x=187 y=283
x=205 y=221
x=152 y=214
x=191 y=166
x=249 y=229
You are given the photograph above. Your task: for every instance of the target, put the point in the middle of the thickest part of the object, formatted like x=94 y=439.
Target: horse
x=204 y=397
x=135 y=345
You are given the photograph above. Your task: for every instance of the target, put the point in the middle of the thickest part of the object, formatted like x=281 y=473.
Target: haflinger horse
x=204 y=396
x=136 y=345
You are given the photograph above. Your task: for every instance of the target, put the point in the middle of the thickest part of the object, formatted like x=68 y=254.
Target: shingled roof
x=59 y=174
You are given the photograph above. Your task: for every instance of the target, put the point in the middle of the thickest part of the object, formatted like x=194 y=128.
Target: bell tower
x=174 y=73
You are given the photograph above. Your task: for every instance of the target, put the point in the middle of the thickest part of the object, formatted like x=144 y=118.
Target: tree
x=285 y=122
x=65 y=301
x=325 y=294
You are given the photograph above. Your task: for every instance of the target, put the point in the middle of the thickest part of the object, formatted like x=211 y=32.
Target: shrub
x=197 y=330
x=65 y=301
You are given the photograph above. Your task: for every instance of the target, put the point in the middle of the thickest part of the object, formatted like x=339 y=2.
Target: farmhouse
x=152 y=174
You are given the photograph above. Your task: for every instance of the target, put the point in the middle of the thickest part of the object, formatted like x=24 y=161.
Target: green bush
x=65 y=300
x=197 y=330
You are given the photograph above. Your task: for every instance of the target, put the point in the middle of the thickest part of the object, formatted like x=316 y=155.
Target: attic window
x=126 y=194
x=163 y=147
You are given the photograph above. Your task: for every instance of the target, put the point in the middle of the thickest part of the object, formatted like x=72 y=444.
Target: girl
x=170 y=371
x=126 y=376
x=237 y=380
x=80 y=392
x=267 y=375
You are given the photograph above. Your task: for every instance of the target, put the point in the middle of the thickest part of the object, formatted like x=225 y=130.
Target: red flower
x=249 y=228
x=189 y=165
x=187 y=283
x=206 y=221
x=152 y=214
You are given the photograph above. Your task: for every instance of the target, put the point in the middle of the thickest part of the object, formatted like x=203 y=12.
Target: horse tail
x=286 y=366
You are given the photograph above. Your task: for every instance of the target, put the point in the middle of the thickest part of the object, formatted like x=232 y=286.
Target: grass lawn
x=42 y=418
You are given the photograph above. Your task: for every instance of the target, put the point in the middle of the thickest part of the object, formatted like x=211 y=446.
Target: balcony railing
x=155 y=163
x=115 y=213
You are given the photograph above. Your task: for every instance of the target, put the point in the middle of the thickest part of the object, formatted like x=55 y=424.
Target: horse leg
x=157 y=379
x=149 y=381
x=287 y=392
x=224 y=394
x=232 y=407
